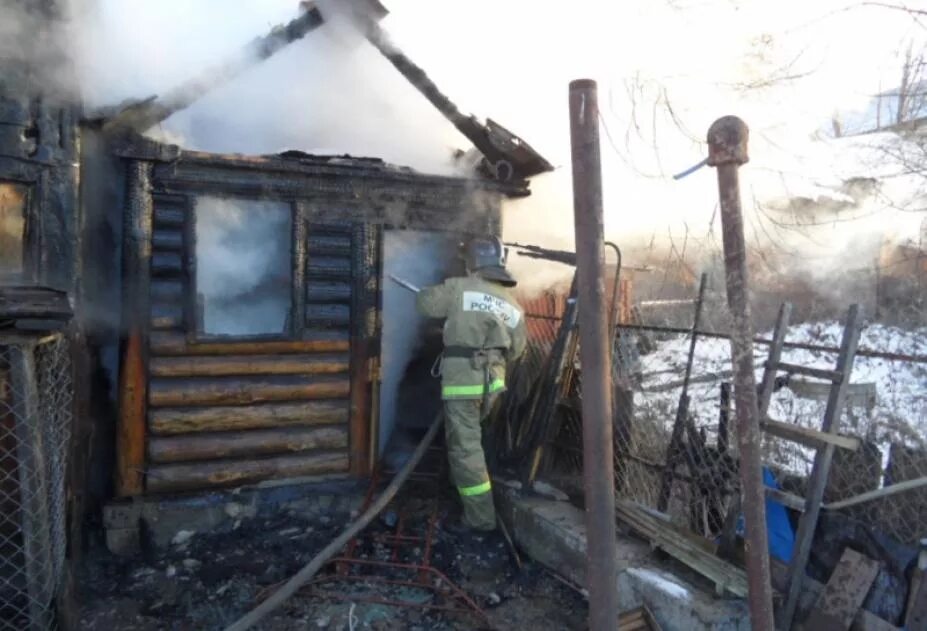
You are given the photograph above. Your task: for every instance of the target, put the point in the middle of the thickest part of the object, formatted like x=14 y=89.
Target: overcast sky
x=666 y=70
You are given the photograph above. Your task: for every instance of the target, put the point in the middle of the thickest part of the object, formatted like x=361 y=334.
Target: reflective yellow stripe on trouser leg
x=468 y=463
x=468 y=392
x=478 y=489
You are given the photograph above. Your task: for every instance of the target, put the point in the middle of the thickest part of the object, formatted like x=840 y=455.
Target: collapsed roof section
x=505 y=156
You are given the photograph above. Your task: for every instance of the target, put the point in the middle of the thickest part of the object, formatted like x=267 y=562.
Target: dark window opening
x=243 y=268
x=13 y=202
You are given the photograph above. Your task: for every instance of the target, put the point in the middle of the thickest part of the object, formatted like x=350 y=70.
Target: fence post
x=727 y=150
x=598 y=456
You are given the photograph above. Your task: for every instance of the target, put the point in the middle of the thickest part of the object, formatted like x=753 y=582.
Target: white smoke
x=243 y=270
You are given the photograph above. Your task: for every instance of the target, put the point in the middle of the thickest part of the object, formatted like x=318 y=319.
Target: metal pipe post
x=727 y=150
x=595 y=355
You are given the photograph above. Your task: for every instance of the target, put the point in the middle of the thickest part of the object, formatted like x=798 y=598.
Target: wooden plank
x=786 y=499
x=167 y=239
x=681 y=546
x=163 y=343
x=811 y=371
x=844 y=593
x=130 y=430
x=216 y=446
x=809 y=437
x=169 y=216
x=327 y=291
x=173 y=421
x=916 y=617
x=885 y=491
x=166 y=263
x=298 y=262
x=329 y=244
x=241 y=365
x=197 y=476
x=639 y=619
x=328 y=267
x=136 y=293
x=768 y=383
x=166 y=316
x=359 y=454
x=167 y=291
x=821 y=467
x=328 y=315
x=165 y=392
x=916 y=610
x=864 y=620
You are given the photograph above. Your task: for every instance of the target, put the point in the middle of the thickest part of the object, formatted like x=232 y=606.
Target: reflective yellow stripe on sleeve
x=472 y=391
x=479 y=489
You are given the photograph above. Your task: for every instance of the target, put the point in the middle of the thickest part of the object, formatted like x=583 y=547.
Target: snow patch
x=675 y=590
x=898 y=416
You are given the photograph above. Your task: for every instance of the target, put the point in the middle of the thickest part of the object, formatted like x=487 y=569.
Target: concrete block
x=123 y=541
x=122 y=514
x=553 y=533
x=162 y=517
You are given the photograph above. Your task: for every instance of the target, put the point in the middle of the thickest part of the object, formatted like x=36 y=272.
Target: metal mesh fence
x=694 y=477
x=35 y=420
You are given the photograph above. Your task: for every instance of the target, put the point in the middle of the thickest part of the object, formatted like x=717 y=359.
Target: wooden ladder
x=823 y=441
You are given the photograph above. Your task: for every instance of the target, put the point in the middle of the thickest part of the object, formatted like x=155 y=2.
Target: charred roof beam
x=507 y=157
x=144 y=115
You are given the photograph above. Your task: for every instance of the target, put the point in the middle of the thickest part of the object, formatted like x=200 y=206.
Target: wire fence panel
x=35 y=420
x=694 y=479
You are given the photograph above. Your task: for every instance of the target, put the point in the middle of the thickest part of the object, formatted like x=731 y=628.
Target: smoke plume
x=243 y=270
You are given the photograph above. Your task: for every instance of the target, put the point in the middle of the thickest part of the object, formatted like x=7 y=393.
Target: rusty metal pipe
x=595 y=355
x=727 y=150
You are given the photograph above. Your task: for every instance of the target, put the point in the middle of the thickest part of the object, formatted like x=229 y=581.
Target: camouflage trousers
x=464 y=437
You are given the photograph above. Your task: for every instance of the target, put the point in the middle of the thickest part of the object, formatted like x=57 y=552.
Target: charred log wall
x=225 y=411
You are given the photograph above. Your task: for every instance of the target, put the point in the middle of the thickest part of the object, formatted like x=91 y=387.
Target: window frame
x=191 y=260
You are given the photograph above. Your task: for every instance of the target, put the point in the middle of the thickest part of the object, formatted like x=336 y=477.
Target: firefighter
x=484 y=329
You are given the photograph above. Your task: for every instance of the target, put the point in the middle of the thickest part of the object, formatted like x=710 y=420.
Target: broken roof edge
x=139 y=147
x=506 y=156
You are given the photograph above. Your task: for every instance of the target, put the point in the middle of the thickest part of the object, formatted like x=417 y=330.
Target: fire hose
x=311 y=569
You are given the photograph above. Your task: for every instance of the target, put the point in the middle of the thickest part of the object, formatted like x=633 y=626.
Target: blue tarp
x=781 y=537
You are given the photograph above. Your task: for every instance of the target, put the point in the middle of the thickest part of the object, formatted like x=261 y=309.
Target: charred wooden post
x=675 y=448
x=555 y=384
x=136 y=273
x=727 y=150
x=598 y=457
x=508 y=157
x=362 y=268
x=724 y=417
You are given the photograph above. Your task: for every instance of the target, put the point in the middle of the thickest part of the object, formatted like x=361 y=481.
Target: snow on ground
x=899 y=413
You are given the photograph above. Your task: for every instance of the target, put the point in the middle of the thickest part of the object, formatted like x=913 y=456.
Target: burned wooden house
x=228 y=309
